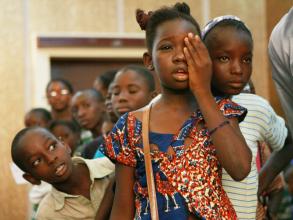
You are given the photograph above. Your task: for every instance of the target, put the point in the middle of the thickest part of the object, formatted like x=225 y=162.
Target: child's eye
x=224 y=59
x=115 y=92
x=165 y=47
x=36 y=162
x=247 y=60
x=132 y=91
x=52 y=147
x=86 y=105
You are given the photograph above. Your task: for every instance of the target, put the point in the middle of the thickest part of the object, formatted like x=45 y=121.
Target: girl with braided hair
x=192 y=135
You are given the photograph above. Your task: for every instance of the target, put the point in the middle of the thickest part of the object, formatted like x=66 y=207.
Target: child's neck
x=181 y=99
x=78 y=183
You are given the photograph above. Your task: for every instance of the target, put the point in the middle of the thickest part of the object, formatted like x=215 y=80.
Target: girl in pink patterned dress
x=192 y=134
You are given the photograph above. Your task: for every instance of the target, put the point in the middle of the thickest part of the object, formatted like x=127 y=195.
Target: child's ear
x=147 y=61
x=31 y=179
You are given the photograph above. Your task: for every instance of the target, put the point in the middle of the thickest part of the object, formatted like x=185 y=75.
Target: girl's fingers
x=188 y=57
x=191 y=49
x=202 y=53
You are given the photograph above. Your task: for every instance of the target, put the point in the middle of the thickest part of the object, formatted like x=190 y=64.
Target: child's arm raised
x=123 y=205
x=232 y=150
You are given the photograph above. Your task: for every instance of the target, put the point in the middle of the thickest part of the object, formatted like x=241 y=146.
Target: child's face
x=167 y=54
x=66 y=135
x=34 y=119
x=231 y=54
x=108 y=105
x=87 y=110
x=129 y=92
x=58 y=96
x=45 y=157
x=99 y=86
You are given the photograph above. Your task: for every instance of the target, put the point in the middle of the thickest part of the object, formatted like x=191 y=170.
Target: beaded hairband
x=212 y=23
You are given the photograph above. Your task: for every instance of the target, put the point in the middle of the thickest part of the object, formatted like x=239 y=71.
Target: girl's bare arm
x=232 y=150
x=123 y=205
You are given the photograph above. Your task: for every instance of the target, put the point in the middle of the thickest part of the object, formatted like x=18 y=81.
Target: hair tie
x=142 y=18
x=212 y=23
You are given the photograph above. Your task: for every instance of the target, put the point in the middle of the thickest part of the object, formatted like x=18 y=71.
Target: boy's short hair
x=16 y=145
x=92 y=93
x=141 y=71
x=107 y=77
x=44 y=113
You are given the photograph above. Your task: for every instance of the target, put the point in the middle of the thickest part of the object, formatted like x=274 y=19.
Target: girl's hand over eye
x=199 y=64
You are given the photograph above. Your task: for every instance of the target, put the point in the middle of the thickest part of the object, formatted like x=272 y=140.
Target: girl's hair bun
x=142 y=18
x=182 y=7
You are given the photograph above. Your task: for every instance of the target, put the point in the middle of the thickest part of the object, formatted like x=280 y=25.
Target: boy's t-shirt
x=260 y=124
x=60 y=205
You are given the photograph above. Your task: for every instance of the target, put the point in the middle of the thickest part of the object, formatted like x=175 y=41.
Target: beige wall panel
x=253 y=13
x=72 y=16
x=13 y=197
x=131 y=6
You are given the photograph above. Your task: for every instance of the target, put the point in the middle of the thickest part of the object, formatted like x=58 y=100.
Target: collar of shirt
x=98 y=168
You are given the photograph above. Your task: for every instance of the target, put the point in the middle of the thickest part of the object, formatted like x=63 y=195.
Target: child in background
x=88 y=109
x=133 y=87
x=69 y=133
x=230 y=46
x=103 y=81
x=78 y=184
x=59 y=93
x=37 y=117
x=103 y=85
x=183 y=156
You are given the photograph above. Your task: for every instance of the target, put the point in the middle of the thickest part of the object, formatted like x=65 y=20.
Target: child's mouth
x=60 y=170
x=181 y=76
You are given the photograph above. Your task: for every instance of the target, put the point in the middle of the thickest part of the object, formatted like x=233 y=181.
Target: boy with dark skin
x=78 y=185
x=37 y=117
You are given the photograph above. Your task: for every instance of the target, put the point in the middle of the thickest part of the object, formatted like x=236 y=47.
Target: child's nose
x=80 y=112
x=122 y=96
x=236 y=67
x=179 y=55
x=50 y=157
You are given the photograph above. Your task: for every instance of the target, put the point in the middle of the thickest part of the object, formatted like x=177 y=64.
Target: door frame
x=44 y=48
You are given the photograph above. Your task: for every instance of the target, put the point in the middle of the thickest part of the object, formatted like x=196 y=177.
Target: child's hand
x=199 y=64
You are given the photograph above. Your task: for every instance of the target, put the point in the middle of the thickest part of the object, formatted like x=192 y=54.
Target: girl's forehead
x=56 y=85
x=128 y=77
x=83 y=97
x=175 y=27
x=222 y=36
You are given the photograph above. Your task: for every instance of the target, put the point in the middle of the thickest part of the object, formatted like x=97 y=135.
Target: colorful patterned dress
x=187 y=181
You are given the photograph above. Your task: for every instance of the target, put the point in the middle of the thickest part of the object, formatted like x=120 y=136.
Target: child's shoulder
x=138 y=113
x=255 y=104
x=247 y=98
x=46 y=207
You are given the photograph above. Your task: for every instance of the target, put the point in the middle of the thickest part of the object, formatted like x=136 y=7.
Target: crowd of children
x=215 y=147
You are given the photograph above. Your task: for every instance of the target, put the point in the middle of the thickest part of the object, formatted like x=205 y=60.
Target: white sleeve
x=281 y=56
x=277 y=132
